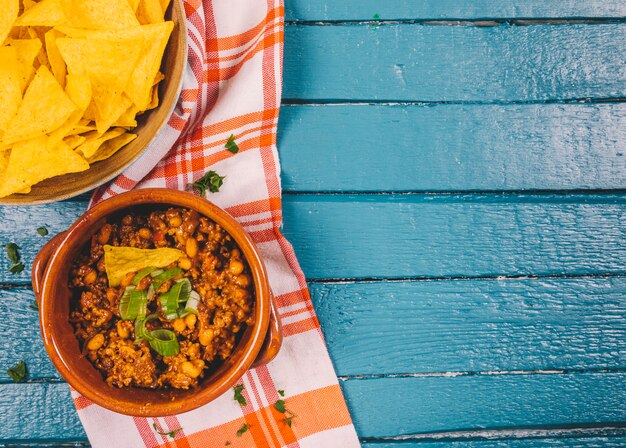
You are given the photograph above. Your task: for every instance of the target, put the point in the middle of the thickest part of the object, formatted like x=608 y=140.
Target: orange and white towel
x=232 y=85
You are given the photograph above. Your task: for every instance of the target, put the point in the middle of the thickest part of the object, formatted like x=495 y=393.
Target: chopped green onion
x=133 y=304
x=160 y=276
x=142 y=274
x=191 y=307
x=140 y=328
x=164 y=342
x=179 y=293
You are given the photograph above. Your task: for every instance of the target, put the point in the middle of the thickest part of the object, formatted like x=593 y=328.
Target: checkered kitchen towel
x=232 y=85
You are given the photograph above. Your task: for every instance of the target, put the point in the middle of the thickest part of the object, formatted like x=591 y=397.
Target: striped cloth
x=232 y=86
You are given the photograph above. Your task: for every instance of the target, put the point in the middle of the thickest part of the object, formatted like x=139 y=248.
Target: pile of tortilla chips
x=74 y=74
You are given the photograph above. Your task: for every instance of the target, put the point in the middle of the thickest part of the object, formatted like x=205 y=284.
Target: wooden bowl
x=258 y=345
x=148 y=126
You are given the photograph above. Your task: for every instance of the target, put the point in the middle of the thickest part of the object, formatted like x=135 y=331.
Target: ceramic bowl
x=148 y=126
x=258 y=345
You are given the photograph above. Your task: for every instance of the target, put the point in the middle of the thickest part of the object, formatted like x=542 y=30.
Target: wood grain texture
x=437 y=63
x=386 y=406
x=452 y=147
x=314 y=10
x=356 y=236
x=433 y=326
x=473 y=325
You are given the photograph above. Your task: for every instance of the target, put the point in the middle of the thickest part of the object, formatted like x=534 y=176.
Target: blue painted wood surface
x=481 y=303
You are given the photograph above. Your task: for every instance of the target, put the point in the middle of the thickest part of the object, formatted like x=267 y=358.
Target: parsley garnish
x=42 y=231
x=376 y=17
x=210 y=180
x=34 y=306
x=17 y=372
x=280 y=406
x=231 y=145
x=238 y=397
x=243 y=429
x=16 y=268
x=171 y=434
x=13 y=252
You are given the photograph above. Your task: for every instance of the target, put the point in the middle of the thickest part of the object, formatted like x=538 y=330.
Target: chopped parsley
x=231 y=145
x=238 y=397
x=243 y=429
x=16 y=268
x=171 y=434
x=42 y=231
x=281 y=392
x=17 y=372
x=227 y=443
x=280 y=406
x=13 y=252
x=211 y=181
x=287 y=420
x=34 y=306
x=376 y=17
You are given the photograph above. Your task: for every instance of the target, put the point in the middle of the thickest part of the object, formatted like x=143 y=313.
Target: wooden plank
x=440 y=63
x=387 y=406
x=433 y=326
x=357 y=236
x=473 y=325
x=452 y=147
x=319 y=10
x=573 y=442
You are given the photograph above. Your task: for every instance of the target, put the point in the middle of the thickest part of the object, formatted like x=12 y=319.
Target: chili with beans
x=214 y=267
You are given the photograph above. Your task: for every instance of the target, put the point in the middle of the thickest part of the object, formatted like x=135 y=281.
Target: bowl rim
x=60 y=254
x=182 y=23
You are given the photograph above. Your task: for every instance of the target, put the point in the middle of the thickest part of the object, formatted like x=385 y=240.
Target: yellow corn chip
x=110 y=147
x=164 y=5
x=95 y=139
x=155 y=98
x=99 y=14
x=27 y=50
x=44 y=13
x=44 y=108
x=133 y=5
x=158 y=78
x=127 y=119
x=78 y=88
x=149 y=11
x=104 y=123
x=54 y=56
x=73 y=141
x=8 y=14
x=10 y=85
x=119 y=261
x=34 y=160
x=108 y=63
x=24 y=191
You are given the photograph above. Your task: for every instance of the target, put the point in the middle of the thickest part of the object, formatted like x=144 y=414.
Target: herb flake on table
x=238 y=397
x=34 y=306
x=13 y=252
x=42 y=231
x=211 y=181
x=231 y=145
x=18 y=372
x=171 y=434
x=281 y=407
x=243 y=429
x=281 y=392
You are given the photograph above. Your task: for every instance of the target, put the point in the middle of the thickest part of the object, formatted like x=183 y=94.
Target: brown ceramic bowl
x=148 y=126
x=258 y=345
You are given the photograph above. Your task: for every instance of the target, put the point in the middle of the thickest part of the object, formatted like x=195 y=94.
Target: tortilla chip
x=44 y=108
x=99 y=14
x=104 y=123
x=119 y=261
x=155 y=98
x=95 y=139
x=109 y=63
x=78 y=88
x=8 y=14
x=27 y=50
x=110 y=147
x=44 y=13
x=73 y=141
x=149 y=11
x=34 y=160
x=127 y=119
x=10 y=86
x=164 y=5
x=54 y=56
x=133 y=5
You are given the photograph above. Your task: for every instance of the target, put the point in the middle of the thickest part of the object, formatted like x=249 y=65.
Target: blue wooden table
x=455 y=188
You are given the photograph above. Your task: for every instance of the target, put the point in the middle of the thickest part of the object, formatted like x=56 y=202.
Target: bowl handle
x=41 y=261
x=273 y=339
